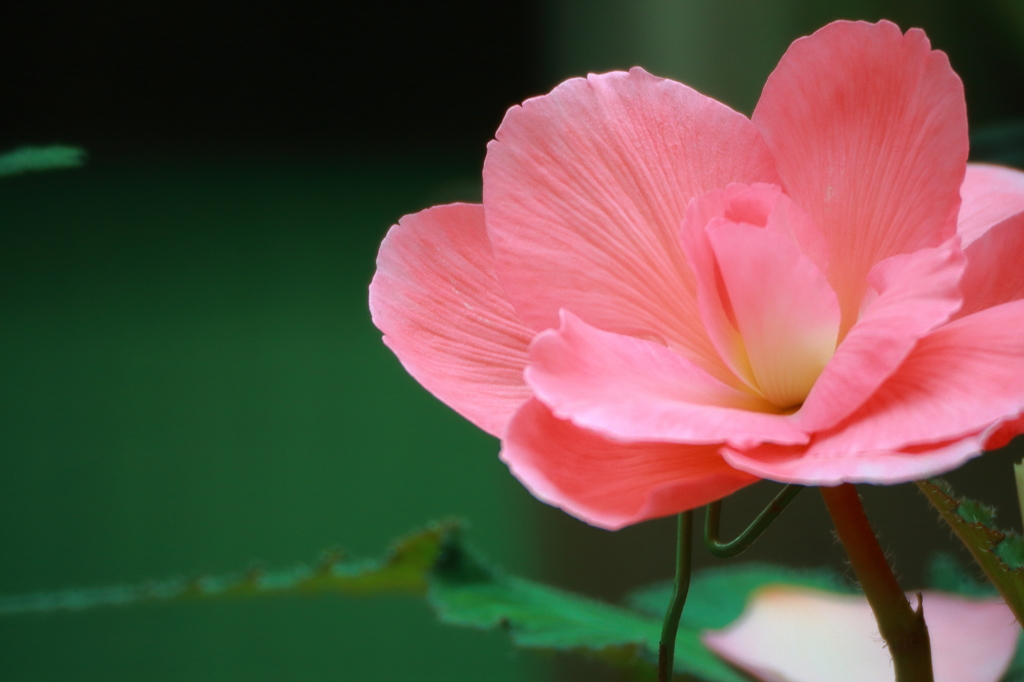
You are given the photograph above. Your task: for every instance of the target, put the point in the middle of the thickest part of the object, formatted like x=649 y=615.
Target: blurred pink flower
x=795 y=634
x=661 y=300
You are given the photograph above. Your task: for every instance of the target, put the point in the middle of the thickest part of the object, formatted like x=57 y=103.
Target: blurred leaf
x=998 y=552
x=1002 y=144
x=404 y=570
x=947 y=574
x=462 y=588
x=467 y=591
x=718 y=595
x=40 y=159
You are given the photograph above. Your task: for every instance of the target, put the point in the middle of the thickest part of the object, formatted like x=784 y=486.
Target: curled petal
x=638 y=390
x=936 y=411
x=1007 y=431
x=760 y=205
x=585 y=189
x=784 y=308
x=868 y=129
x=445 y=316
x=989 y=195
x=795 y=634
x=610 y=484
x=916 y=293
x=817 y=465
x=994 y=274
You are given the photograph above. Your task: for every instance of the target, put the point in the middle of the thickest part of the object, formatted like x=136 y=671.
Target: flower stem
x=667 y=646
x=901 y=626
x=726 y=550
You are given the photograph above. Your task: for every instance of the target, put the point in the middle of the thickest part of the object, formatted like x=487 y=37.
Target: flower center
x=778 y=318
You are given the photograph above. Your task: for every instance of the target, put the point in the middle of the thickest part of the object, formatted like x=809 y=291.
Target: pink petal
x=784 y=308
x=916 y=293
x=443 y=313
x=936 y=411
x=637 y=390
x=989 y=195
x=759 y=204
x=868 y=128
x=819 y=466
x=795 y=634
x=585 y=190
x=1007 y=431
x=994 y=274
x=610 y=484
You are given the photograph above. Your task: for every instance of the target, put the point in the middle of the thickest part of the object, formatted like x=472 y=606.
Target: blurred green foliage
x=190 y=381
x=51 y=157
x=720 y=594
x=463 y=588
x=466 y=590
x=404 y=570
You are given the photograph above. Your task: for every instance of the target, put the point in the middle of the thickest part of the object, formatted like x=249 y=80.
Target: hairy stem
x=681 y=585
x=901 y=626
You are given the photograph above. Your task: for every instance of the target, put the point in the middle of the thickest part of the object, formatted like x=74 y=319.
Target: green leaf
x=466 y=591
x=1011 y=551
x=998 y=552
x=405 y=570
x=718 y=596
x=40 y=159
x=463 y=589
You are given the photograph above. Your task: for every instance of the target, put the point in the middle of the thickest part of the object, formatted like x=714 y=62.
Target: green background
x=190 y=382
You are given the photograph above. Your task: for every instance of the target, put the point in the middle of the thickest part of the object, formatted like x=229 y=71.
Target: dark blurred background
x=189 y=380
x=196 y=77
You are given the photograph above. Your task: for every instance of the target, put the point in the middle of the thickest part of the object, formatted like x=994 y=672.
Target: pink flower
x=795 y=634
x=661 y=301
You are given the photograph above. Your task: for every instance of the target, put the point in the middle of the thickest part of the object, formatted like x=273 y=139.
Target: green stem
x=901 y=626
x=713 y=515
x=667 y=647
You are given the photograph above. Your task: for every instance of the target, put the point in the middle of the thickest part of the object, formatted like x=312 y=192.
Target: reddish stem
x=901 y=626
